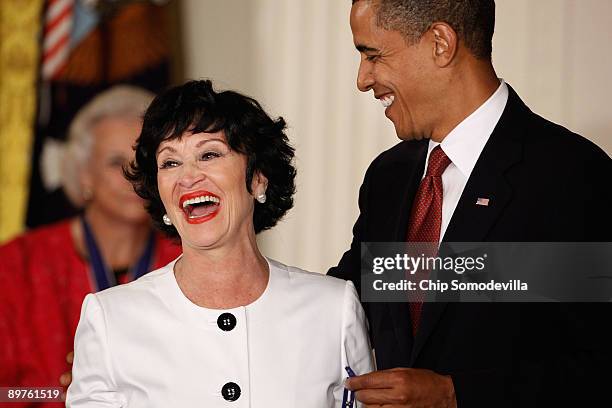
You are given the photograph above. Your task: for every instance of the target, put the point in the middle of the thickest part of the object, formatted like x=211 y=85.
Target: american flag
x=56 y=39
x=483 y=202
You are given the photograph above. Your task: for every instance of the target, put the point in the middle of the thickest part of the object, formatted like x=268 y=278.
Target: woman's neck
x=121 y=243
x=223 y=278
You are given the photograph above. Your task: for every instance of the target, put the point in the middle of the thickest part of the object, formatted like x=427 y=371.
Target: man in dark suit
x=475 y=164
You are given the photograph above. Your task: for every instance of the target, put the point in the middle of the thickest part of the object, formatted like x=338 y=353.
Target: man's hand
x=66 y=378
x=404 y=387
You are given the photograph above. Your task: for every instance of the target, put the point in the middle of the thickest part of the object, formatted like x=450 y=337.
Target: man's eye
x=209 y=156
x=371 y=57
x=166 y=164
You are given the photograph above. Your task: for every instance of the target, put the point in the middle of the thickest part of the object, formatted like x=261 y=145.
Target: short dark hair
x=196 y=107
x=472 y=20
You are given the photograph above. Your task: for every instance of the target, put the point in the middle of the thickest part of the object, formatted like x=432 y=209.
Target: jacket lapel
x=472 y=222
x=410 y=164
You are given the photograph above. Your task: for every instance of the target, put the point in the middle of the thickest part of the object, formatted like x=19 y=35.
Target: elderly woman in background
x=46 y=273
x=222 y=324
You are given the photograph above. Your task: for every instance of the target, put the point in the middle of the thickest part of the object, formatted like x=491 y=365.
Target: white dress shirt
x=145 y=344
x=463 y=146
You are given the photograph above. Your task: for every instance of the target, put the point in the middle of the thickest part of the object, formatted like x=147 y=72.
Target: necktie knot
x=438 y=162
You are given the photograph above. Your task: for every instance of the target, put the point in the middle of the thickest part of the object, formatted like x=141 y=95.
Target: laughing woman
x=222 y=323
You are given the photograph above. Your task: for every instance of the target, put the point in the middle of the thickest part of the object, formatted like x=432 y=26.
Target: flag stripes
x=56 y=40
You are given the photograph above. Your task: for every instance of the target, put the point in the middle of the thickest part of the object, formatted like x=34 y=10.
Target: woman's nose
x=191 y=174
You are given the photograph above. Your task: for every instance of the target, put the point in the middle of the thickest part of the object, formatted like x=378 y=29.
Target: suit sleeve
x=349 y=267
x=93 y=385
x=356 y=350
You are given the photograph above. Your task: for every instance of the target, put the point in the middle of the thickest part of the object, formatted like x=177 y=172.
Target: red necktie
x=426 y=218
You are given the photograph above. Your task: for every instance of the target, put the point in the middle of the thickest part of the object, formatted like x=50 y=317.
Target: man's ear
x=445 y=43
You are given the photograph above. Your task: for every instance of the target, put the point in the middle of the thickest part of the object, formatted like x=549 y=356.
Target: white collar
x=465 y=142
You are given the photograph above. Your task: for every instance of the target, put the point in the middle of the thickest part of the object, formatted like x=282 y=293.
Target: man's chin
x=410 y=135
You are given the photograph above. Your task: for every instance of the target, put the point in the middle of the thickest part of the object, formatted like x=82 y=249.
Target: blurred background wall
x=297 y=58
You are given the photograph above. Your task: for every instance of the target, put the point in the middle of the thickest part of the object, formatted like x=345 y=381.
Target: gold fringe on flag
x=19 y=52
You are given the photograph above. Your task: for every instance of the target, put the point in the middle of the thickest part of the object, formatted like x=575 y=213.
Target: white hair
x=123 y=101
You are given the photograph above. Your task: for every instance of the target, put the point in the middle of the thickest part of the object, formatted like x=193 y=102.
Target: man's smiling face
x=399 y=74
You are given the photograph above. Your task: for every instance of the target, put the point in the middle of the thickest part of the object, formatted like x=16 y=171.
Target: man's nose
x=365 y=79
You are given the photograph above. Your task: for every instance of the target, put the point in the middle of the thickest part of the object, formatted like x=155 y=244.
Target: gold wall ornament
x=20 y=22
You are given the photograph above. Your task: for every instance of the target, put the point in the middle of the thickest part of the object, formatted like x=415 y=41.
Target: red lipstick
x=196 y=213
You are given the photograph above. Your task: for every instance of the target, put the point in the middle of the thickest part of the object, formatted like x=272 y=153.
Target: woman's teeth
x=387 y=100
x=201 y=199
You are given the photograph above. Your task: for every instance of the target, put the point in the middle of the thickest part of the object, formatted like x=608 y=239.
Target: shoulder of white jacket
x=143 y=284
x=301 y=276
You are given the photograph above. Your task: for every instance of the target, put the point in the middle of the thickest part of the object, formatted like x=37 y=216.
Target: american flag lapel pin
x=482 y=201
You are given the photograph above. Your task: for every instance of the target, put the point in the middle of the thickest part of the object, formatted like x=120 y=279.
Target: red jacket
x=43 y=281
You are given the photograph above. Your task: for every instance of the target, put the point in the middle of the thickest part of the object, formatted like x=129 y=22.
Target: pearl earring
x=166 y=220
x=261 y=198
x=87 y=194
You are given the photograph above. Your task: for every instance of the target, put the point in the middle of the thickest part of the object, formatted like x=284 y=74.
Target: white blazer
x=145 y=344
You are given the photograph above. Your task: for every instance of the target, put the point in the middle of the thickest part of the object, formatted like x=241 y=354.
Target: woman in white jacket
x=222 y=325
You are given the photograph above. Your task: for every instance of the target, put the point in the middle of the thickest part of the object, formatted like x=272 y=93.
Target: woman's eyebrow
x=202 y=142
x=169 y=148
x=199 y=144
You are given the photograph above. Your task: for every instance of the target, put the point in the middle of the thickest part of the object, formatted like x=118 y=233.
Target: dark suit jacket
x=545 y=184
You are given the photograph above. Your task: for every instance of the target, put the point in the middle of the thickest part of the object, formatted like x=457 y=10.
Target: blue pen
x=346 y=401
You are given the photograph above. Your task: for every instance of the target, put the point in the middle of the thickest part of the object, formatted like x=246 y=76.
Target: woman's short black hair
x=195 y=107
